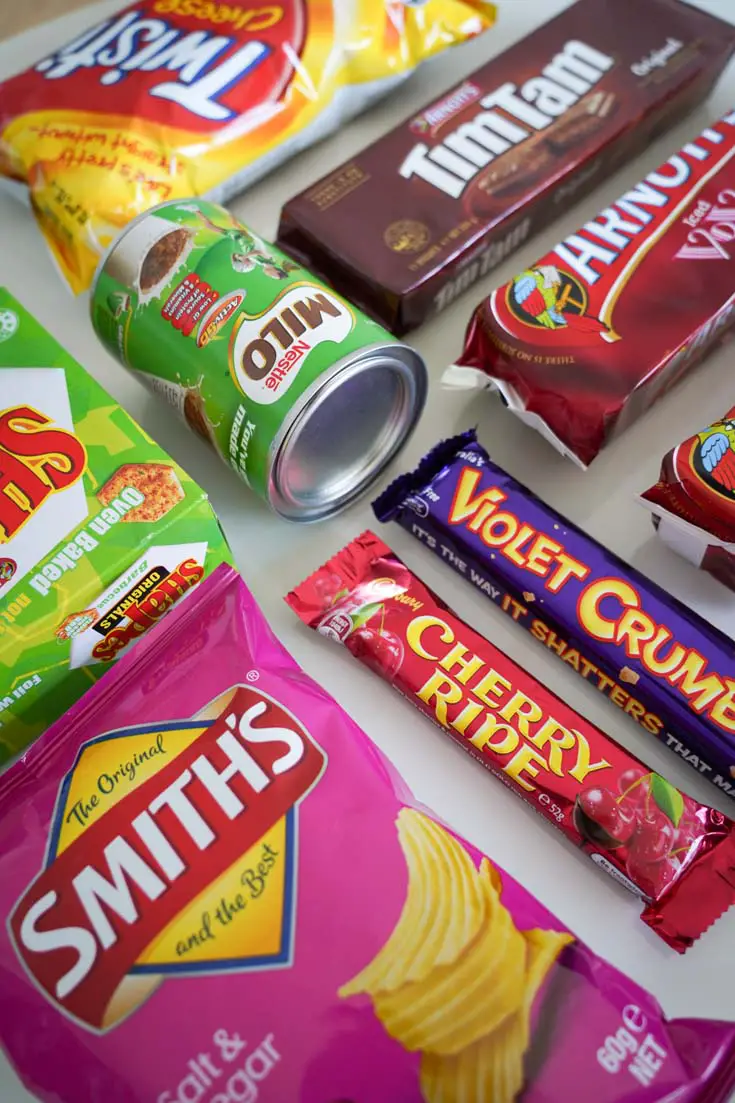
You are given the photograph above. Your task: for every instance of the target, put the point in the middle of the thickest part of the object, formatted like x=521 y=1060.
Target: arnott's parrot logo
x=714 y=457
x=548 y=298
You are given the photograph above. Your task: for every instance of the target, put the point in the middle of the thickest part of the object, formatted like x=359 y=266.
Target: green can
x=302 y=394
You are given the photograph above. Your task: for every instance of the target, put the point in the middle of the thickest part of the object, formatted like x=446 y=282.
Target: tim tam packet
x=582 y=343
x=660 y=663
x=677 y=855
x=174 y=98
x=411 y=222
x=693 y=502
x=100 y=532
x=168 y=856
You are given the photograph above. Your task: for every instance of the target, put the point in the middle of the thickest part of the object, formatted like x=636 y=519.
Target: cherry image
x=634 y=786
x=654 y=838
x=326 y=587
x=651 y=877
x=689 y=830
x=599 y=817
x=381 y=651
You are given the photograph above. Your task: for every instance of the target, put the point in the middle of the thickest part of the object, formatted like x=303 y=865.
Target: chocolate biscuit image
x=157 y=482
x=581 y=122
x=513 y=173
x=162 y=258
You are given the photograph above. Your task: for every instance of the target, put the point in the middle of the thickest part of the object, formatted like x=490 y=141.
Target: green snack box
x=100 y=531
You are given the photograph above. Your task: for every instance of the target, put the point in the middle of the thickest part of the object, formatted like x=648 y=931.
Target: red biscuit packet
x=693 y=502
x=580 y=344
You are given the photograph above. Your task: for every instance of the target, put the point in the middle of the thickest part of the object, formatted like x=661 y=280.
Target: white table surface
x=273 y=555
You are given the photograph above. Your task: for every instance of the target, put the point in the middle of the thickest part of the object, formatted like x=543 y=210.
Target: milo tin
x=306 y=397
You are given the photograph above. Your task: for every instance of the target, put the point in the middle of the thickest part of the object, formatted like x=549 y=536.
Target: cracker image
x=528 y=596
x=75 y=624
x=158 y=482
x=630 y=677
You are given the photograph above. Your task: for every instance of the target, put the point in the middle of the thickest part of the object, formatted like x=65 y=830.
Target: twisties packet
x=100 y=531
x=173 y=98
x=214 y=888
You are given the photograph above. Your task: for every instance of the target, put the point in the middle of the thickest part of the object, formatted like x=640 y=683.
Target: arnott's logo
x=35 y=462
x=171 y=851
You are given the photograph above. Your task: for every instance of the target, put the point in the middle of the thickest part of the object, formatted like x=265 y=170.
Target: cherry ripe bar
x=655 y=659
x=407 y=225
x=583 y=342
x=676 y=854
x=693 y=502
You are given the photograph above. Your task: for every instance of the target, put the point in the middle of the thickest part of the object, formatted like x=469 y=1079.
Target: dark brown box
x=417 y=217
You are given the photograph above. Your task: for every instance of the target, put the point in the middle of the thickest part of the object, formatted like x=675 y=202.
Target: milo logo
x=268 y=350
x=36 y=460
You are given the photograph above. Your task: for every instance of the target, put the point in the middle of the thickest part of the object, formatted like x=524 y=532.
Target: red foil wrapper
x=674 y=853
x=693 y=502
x=583 y=342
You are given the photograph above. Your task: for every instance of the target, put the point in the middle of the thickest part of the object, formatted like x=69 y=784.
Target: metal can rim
x=408 y=364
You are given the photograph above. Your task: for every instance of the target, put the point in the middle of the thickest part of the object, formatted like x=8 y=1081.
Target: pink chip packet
x=217 y=890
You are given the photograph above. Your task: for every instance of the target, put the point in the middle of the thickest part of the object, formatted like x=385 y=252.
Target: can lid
x=347 y=431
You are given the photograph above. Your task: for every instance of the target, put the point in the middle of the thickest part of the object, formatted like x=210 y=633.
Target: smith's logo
x=172 y=850
x=35 y=462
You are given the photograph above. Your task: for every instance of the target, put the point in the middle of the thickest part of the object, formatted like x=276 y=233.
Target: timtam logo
x=35 y=462
x=143 y=614
x=172 y=850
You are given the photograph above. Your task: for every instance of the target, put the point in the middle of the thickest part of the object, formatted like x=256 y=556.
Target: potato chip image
x=456 y=979
x=434 y=925
x=450 y=1009
x=491 y=1070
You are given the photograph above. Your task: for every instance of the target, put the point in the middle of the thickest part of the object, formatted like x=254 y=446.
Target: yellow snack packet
x=174 y=98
